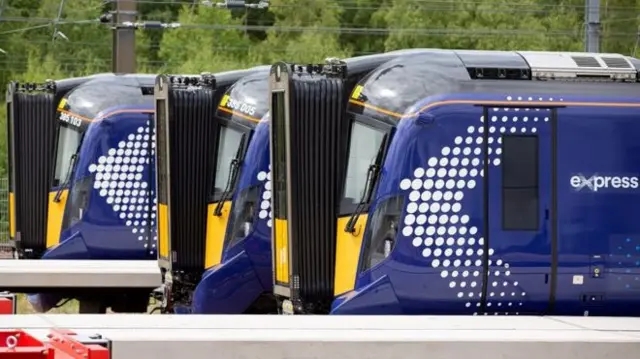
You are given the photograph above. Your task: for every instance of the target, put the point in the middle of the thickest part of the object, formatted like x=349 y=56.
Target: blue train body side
x=245 y=271
x=116 y=167
x=587 y=183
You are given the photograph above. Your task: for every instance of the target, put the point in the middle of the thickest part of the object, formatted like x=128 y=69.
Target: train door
x=519 y=244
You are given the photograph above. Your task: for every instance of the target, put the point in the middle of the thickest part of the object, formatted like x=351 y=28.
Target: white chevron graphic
x=436 y=219
x=119 y=180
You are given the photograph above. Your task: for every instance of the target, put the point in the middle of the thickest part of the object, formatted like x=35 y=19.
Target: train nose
x=228 y=288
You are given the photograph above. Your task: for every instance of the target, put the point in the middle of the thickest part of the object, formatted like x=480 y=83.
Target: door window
x=520 y=183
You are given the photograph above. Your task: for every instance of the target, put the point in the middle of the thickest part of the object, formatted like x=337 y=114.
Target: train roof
x=357 y=66
x=397 y=84
x=249 y=98
x=229 y=77
x=102 y=91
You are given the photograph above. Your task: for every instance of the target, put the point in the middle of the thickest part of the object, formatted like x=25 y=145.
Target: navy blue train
x=458 y=182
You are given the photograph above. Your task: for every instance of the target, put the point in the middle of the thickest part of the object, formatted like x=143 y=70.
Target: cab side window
x=381 y=232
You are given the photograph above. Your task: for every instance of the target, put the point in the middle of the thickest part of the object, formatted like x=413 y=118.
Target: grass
x=24 y=307
x=71 y=307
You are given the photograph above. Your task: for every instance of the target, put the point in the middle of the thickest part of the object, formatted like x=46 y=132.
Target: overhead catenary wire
x=355 y=5
x=436 y=7
x=56 y=33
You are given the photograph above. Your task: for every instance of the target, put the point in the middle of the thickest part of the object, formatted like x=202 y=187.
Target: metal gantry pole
x=124 y=38
x=592 y=26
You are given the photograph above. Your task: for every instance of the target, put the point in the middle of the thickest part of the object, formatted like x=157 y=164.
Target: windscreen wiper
x=233 y=170
x=372 y=175
x=72 y=163
x=72 y=166
x=366 y=195
x=233 y=173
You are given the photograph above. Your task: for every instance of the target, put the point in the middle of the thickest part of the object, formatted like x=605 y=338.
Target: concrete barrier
x=349 y=337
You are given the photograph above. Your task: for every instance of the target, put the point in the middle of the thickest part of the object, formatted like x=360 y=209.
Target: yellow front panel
x=347 y=254
x=282 y=251
x=54 y=217
x=163 y=231
x=12 y=216
x=216 y=229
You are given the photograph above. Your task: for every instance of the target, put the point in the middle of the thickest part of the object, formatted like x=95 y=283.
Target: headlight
x=246 y=227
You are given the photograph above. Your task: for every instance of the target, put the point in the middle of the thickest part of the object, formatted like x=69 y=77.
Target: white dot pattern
x=265 y=205
x=119 y=180
x=438 y=225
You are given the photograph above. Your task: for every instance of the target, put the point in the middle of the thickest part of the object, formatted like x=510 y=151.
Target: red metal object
x=61 y=345
x=7 y=303
x=18 y=344
x=68 y=348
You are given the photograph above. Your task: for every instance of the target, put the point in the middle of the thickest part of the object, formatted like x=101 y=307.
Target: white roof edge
x=563 y=61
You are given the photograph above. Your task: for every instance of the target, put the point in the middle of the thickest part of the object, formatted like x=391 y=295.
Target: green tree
x=83 y=51
x=198 y=47
x=620 y=26
x=477 y=25
x=148 y=42
x=319 y=20
x=360 y=15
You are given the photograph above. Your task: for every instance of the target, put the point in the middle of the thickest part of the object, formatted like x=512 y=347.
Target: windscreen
x=69 y=138
x=228 y=146
x=364 y=146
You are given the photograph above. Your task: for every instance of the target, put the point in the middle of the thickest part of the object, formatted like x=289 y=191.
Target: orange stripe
x=497 y=104
x=375 y=108
x=235 y=113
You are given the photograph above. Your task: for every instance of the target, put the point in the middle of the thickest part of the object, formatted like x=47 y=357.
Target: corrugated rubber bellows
x=318 y=129
x=32 y=136
x=193 y=135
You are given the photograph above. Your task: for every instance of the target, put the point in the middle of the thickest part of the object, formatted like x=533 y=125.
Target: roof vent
x=616 y=62
x=586 y=61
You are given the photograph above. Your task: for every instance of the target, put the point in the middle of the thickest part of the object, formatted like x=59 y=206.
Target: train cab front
x=204 y=125
x=101 y=204
x=374 y=160
x=242 y=281
x=318 y=218
x=326 y=158
x=238 y=275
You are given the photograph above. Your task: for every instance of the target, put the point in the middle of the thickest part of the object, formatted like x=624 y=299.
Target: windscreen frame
x=246 y=133
x=67 y=169
x=387 y=132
